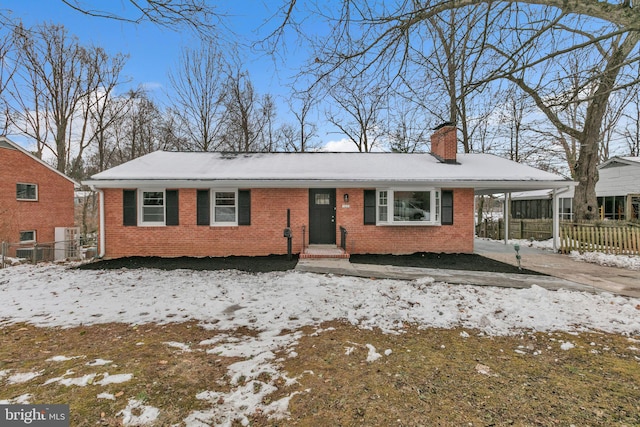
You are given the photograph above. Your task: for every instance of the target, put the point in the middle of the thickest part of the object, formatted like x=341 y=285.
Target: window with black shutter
x=447 y=207
x=369 y=207
x=203 y=208
x=129 y=208
x=244 y=207
x=173 y=216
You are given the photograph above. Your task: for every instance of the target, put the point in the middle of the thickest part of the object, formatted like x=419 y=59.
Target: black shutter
x=244 y=207
x=203 y=208
x=369 y=207
x=173 y=216
x=447 y=208
x=129 y=210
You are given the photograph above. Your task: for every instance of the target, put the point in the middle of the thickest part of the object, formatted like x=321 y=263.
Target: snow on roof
x=619 y=161
x=323 y=167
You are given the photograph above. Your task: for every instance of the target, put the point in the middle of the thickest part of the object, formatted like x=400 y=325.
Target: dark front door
x=322 y=216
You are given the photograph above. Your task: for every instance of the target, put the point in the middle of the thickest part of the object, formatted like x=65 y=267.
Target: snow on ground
x=630 y=262
x=53 y=295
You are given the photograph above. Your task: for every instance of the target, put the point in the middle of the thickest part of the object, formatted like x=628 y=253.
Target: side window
x=26 y=191
x=152 y=207
x=28 y=236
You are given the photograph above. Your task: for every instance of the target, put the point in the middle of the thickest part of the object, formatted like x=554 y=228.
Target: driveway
x=611 y=279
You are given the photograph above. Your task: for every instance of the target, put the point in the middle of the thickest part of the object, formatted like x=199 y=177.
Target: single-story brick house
x=35 y=198
x=173 y=204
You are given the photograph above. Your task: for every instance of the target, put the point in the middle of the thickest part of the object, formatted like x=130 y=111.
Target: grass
x=430 y=376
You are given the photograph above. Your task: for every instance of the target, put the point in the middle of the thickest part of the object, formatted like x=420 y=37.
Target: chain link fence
x=72 y=250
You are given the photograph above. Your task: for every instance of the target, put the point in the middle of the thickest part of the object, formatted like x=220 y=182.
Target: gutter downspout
x=506 y=214
x=101 y=243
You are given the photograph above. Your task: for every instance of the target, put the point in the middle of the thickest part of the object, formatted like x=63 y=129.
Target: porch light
x=346 y=198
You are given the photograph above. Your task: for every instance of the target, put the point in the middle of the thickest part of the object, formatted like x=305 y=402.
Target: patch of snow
x=114 y=379
x=107 y=396
x=23 y=399
x=629 y=262
x=567 y=345
x=388 y=352
x=78 y=381
x=99 y=362
x=62 y=358
x=146 y=414
x=464 y=334
x=372 y=355
x=180 y=346
x=23 y=377
x=349 y=350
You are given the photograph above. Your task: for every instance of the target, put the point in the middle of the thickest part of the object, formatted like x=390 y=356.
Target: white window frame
x=28 y=241
x=435 y=200
x=141 y=221
x=212 y=196
x=35 y=199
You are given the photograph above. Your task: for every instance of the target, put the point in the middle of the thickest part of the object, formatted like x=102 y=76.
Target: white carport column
x=507 y=213
x=555 y=228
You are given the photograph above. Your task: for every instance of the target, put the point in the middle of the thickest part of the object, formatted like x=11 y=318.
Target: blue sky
x=154 y=50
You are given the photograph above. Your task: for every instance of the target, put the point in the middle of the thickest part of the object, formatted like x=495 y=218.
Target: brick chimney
x=444 y=142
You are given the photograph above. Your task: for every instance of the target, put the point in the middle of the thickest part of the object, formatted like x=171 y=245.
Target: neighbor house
x=617 y=192
x=173 y=204
x=35 y=198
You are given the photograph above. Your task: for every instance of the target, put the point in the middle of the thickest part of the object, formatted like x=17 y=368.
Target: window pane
x=411 y=206
x=27 y=236
x=323 y=199
x=153 y=206
x=225 y=214
x=26 y=191
x=225 y=206
x=382 y=206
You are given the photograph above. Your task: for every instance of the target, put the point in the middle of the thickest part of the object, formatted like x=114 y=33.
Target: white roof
x=620 y=160
x=322 y=169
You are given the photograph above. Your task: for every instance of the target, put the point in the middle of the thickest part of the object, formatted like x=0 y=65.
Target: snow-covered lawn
x=54 y=295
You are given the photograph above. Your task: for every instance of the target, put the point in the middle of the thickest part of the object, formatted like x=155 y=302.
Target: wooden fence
x=608 y=236
x=611 y=239
x=536 y=229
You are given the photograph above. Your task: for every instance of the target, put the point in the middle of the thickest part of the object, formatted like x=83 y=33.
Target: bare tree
x=197 y=95
x=57 y=89
x=298 y=136
x=531 y=38
x=359 y=111
x=200 y=16
x=247 y=116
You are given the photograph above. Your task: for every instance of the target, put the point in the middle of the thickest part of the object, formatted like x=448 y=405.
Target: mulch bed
x=261 y=264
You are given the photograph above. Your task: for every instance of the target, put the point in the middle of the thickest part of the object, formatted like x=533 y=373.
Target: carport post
x=555 y=229
x=507 y=202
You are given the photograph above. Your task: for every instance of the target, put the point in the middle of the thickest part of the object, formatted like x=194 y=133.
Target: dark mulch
x=468 y=262
x=260 y=264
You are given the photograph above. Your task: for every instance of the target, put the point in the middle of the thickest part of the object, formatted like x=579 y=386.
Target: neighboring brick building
x=34 y=197
x=217 y=204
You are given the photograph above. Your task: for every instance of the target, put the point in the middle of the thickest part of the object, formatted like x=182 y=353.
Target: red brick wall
x=268 y=219
x=54 y=207
x=444 y=143
x=456 y=238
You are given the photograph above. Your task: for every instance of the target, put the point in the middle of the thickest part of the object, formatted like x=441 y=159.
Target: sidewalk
x=562 y=271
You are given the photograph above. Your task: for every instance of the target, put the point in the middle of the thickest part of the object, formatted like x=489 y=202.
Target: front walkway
x=563 y=272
